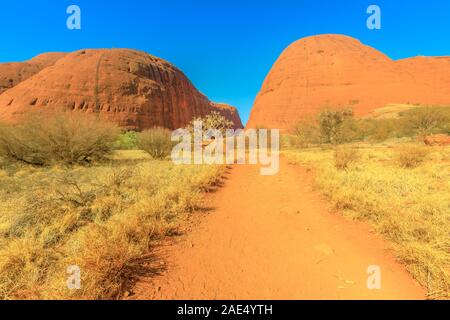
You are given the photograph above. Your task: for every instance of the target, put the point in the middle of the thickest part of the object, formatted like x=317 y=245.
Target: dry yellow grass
x=410 y=207
x=101 y=218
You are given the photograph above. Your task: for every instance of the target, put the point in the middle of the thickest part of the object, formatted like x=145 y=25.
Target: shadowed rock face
x=132 y=88
x=339 y=71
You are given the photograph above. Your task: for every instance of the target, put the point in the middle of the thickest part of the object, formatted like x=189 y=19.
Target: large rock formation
x=338 y=71
x=132 y=88
x=228 y=112
x=13 y=73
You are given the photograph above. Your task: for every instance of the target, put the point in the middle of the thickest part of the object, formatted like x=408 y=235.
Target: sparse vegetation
x=306 y=133
x=408 y=204
x=331 y=124
x=411 y=156
x=339 y=126
x=156 y=142
x=102 y=218
x=331 y=127
x=428 y=120
x=345 y=157
x=55 y=212
x=402 y=188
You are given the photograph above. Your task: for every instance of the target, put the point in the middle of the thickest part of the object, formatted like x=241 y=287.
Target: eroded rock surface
x=132 y=88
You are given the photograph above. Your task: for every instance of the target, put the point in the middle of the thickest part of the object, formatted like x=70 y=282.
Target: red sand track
x=275 y=238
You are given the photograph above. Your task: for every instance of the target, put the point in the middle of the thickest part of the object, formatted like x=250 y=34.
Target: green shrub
x=127 y=141
x=345 y=157
x=427 y=120
x=330 y=124
x=156 y=142
x=411 y=156
x=350 y=130
x=66 y=138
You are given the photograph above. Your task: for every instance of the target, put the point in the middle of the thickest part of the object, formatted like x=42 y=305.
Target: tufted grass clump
x=345 y=157
x=411 y=156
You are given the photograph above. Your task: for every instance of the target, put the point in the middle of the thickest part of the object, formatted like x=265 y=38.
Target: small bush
x=351 y=130
x=213 y=121
x=411 y=156
x=65 y=138
x=127 y=141
x=382 y=130
x=306 y=133
x=344 y=158
x=427 y=120
x=156 y=142
x=331 y=123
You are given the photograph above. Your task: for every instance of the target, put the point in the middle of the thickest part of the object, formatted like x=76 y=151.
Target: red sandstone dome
x=339 y=71
x=15 y=72
x=132 y=88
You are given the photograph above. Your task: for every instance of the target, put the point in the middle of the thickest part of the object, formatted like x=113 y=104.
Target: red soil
x=273 y=237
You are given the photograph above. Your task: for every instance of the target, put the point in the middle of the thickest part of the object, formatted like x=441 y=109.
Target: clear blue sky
x=226 y=47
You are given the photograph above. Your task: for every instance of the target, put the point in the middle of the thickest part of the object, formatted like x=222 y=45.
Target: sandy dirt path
x=274 y=237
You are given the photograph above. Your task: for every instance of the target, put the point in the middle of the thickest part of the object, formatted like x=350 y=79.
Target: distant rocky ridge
x=337 y=71
x=13 y=73
x=228 y=112
x=131 y=88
